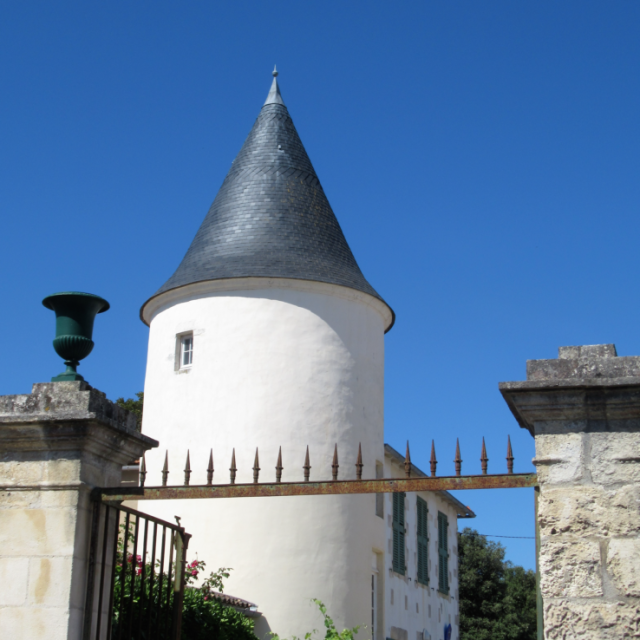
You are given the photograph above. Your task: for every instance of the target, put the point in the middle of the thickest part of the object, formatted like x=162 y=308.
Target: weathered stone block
x=570 y=568
x=21 y=472
x=584 y=362
x=50 y=581
x=19 y=499
x=598 y=620
x=14 y=573
x=55 y=499
x=589 y=511
x=615 y=458
x=35 y=532
x=623 y=565
x=559 y=458
x=589 y=351
x=33 y=623
x=64 y=471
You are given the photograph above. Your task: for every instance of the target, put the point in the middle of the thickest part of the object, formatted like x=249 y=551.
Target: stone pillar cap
x=588 y=383
x=70 y=416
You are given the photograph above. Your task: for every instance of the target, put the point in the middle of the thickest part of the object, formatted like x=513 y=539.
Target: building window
x=423 y=542
x=184 y=351
x=443 y=553
x=398 y=533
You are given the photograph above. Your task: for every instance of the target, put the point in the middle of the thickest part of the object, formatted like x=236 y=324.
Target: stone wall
x=56 y=444
x=584 y=411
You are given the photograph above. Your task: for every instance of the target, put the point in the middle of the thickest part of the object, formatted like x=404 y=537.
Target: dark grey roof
x=271 y=217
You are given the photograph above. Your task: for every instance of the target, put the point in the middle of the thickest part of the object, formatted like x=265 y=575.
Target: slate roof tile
x=271 y=217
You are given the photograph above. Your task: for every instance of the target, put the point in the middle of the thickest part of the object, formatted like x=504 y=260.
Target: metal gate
x=410 y=483
x=136 y=576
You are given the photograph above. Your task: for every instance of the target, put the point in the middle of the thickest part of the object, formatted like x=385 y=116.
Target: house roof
x=462 y=510
x=233 y=601
x=271 y=217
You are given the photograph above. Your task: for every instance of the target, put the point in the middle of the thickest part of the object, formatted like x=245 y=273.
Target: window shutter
x=443 y=553
x=398 y=533
x=423 y=542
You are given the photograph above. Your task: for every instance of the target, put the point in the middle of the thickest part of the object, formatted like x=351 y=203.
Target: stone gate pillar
x=584 y=411
x=56 y=445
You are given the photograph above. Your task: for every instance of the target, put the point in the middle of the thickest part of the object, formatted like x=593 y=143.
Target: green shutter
x=398 y=533
x=423 y=542
x=443 y=553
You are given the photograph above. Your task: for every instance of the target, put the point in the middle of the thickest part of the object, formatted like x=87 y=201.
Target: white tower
x=268 y=336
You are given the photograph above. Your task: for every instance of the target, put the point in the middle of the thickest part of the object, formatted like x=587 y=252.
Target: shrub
x=143 y=599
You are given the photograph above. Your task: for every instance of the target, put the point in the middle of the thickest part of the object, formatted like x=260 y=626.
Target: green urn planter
x=75 y=313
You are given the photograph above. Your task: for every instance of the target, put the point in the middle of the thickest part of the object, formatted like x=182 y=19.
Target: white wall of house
x=411 y=607
x=275 y=363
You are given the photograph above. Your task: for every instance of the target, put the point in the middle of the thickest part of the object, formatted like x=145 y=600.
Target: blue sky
x=482 y=159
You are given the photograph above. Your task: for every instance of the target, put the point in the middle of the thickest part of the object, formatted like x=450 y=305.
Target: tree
x=135 y=406
x=497 y=599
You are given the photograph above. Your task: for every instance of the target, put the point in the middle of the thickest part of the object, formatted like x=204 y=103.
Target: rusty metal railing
x=136 y=575
x=414 y=480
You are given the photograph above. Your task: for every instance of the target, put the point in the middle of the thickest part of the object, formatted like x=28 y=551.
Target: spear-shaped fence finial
x=359 y=464
x=143 y=471
x=256 y=468
x=458 y=459
x=407 y=462
x=210 y=469
x=307 y=466
x=233 y=468
x=279 y=466
x=334 y=464
x=433 y=462
x=187 y=470
x=484 y=461
x=165 y=469
x=509 y=456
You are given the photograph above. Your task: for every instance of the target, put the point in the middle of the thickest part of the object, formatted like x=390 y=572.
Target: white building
x=419 y=566
x=268 y=336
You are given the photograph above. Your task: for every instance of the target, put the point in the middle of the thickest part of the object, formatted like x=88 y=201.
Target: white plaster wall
x=433 y=609
x=294 y=365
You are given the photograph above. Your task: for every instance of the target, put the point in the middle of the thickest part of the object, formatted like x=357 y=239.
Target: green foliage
x=143 y=598
x=331 y=632
x=206 y=618
x=135 y=406
x=497 y=599
x=520 y=602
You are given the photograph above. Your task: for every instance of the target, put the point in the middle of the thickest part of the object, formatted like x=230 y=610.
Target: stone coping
x=69 y=416
x=568 y=383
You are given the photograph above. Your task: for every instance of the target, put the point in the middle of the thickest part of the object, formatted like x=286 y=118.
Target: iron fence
x=136 y=576
x=414 y=480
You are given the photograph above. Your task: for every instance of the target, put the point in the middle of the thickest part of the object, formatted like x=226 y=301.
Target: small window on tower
x=184 y=351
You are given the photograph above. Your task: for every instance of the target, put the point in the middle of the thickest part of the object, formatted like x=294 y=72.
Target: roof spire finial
x=274 y=96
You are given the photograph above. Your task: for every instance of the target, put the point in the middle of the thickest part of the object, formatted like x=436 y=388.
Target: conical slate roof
x=271 y=217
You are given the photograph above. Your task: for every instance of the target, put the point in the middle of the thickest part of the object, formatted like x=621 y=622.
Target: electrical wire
x=486 y=535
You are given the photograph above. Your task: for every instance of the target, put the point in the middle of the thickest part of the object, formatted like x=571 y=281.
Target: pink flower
x=194 y=573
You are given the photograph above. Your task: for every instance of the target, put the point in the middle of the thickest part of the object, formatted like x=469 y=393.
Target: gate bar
x=263 y=490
